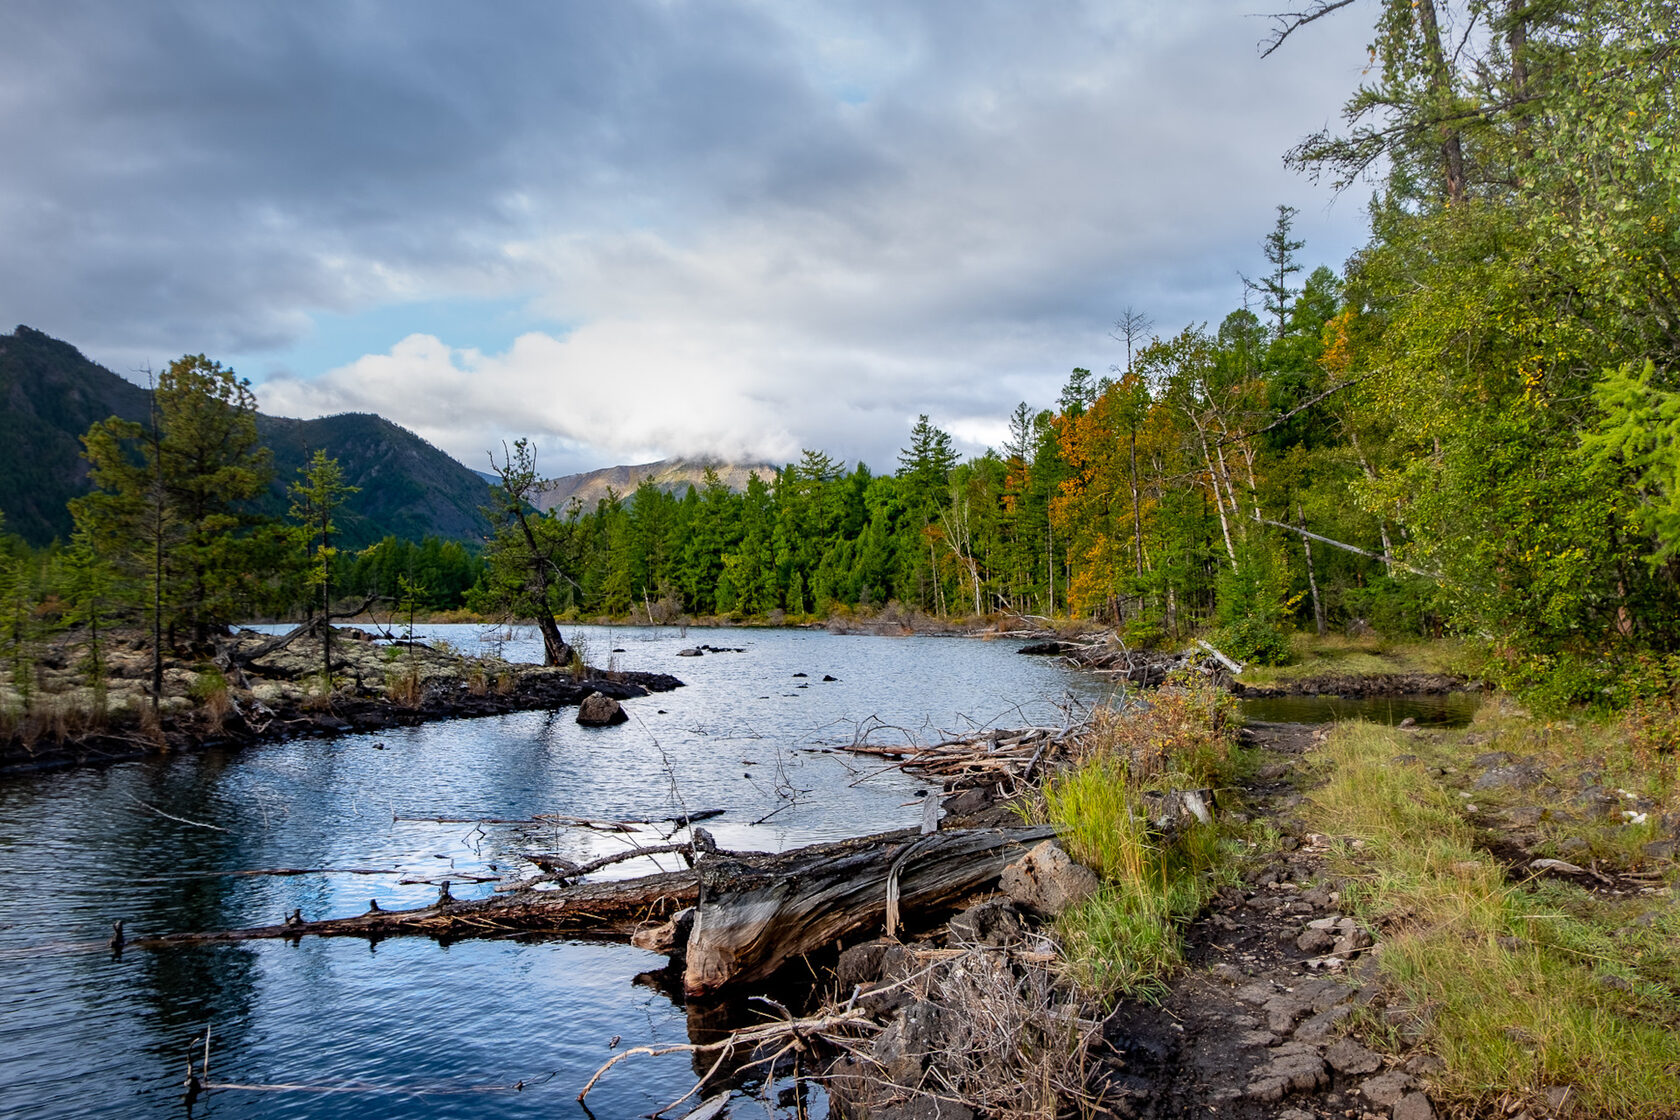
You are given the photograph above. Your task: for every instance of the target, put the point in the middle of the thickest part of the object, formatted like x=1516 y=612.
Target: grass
x=1519 y=987
x=1625 y=759
x=1126 y=938
x=403 y=686
x=1369 y=655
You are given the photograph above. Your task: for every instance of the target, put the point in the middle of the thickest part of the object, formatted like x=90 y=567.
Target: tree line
x=1473 y=427
x=168 y=538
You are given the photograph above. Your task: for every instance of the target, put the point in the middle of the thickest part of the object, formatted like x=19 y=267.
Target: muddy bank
x=228 y=698
x=971 y=1016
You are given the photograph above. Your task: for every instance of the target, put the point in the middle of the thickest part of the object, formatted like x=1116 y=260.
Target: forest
x=1471 y=428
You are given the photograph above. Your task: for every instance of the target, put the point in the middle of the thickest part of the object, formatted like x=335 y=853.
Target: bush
x=1252 y=603
x=1255 y=640
x=1126 y=938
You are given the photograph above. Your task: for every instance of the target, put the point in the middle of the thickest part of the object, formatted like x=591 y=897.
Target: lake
x=409 y=1026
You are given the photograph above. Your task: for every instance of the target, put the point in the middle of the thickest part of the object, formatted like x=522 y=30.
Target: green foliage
x=316 y=497
x=165 y=511
x=1526 y=985
x=1253 y=602
x=1639 y=430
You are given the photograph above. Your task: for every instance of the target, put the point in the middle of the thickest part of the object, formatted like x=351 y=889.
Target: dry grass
x=210 y=689
x=1185 y=730
x=1023 y=1052
x=992 y=1031
x=403 y=686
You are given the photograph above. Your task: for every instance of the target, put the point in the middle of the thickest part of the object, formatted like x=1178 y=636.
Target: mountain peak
x=672 y=475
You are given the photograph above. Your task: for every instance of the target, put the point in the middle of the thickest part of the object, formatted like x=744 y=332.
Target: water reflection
x=410 y=1025
x=1447 y=709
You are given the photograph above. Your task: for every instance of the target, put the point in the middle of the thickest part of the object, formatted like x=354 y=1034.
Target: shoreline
x=383 y=686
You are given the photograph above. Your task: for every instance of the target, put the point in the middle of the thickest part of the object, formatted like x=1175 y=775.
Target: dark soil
x=1254 y=1025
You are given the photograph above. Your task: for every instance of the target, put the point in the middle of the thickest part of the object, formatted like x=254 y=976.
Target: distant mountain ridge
x=672 y=475
x=50 y=394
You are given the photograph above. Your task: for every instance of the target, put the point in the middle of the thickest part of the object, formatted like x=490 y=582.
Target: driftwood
x=755 y=917
x=1008 y=758
x=598 y=909
x=752 y=912
x=1233 y=666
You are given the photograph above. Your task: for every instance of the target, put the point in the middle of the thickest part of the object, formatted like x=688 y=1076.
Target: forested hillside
x=1471 y=427
x=50 y=394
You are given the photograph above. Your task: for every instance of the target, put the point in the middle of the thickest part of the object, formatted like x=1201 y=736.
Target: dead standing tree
x=524 y=563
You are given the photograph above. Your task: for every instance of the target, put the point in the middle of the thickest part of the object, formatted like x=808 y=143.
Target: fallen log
x=752 y=912
x=614 y=909
x=755 y=917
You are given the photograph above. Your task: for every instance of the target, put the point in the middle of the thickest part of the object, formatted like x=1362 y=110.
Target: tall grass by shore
x=1527 y=990
x=1127 y=938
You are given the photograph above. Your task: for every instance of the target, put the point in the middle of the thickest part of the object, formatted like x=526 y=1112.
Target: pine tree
x=210 y=462
x=316 y=497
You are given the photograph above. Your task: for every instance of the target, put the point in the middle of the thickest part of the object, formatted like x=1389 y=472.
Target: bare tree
x=1132 y=326
x=517 y=554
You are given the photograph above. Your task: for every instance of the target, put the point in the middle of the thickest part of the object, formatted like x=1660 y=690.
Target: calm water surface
x=1445 y=709
x=410 y=1027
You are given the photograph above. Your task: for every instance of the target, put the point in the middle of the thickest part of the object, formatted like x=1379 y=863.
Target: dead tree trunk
x=1312 y=577
x=752 y=912
x=752 y=920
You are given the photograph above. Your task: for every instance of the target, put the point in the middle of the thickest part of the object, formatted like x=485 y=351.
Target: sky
x=637 y=229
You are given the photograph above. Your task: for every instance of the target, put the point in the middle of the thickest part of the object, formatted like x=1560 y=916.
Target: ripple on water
x=83 y=1034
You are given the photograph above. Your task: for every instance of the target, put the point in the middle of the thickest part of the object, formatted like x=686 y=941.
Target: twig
x=173 y=817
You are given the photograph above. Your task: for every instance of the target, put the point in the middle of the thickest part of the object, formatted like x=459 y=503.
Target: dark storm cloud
x=211 y=171
x=790 y=223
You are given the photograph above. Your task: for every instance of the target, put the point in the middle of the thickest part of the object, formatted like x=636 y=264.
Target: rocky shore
x=230 y=698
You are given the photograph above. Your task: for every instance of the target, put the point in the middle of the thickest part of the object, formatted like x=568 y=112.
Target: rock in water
x=598 y=710
x=1047 y=880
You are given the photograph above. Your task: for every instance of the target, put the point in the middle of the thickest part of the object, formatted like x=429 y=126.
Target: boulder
x=690 y=653
x=600 y=710
x=994 y=922
x=1516 y=775
x=1047 y=880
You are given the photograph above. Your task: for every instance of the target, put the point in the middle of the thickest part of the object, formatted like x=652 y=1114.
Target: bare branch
x=1286 y=24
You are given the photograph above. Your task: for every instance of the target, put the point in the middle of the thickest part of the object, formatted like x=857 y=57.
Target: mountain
x=409 y=489
x=50 y=394
x=672 y=475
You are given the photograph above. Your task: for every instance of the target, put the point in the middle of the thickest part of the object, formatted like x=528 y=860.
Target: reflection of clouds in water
x=82 y=855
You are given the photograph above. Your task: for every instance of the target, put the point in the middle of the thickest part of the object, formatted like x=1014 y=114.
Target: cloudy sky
x=641 y=228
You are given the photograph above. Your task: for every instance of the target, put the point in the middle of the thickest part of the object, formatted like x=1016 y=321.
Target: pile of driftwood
x=1010 y=759
x=1141 y=668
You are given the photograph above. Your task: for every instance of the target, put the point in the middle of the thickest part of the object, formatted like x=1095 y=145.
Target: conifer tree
x=316 y=497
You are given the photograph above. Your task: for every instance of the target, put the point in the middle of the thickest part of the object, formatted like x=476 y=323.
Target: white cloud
x=764 y=227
